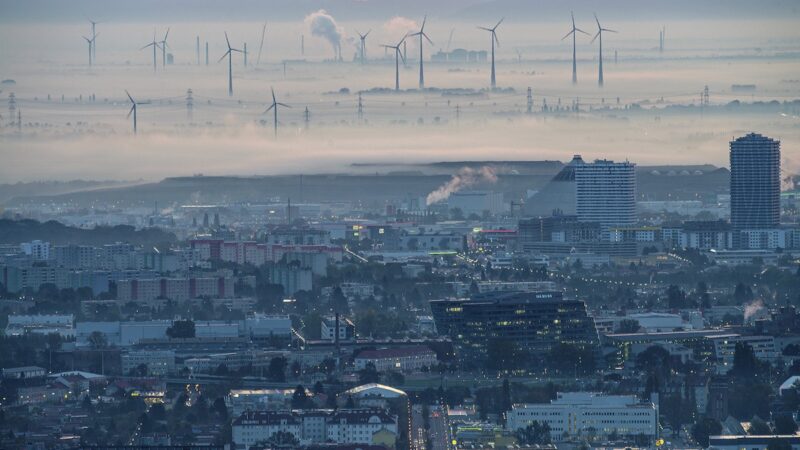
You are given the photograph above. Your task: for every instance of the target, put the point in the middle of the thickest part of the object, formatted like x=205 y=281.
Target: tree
x=779 y=444
x=280 y=439
x=181 y=329
x=745 y=364
x=785 y=424
x=506 y=405
x=676 y=297
x=97 y=340
x=369 y=374
x=277 y=369
x=296 y=369
x=300 y=399
x=535 y=434
x=759 y=428
x=339 y=301
x=704 y=428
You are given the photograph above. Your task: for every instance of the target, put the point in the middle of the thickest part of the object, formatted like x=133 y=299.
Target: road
x=440 y=428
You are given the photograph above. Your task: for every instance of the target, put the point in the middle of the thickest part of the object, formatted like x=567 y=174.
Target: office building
x=576 y=414
x=606 y=193
x=534 y=321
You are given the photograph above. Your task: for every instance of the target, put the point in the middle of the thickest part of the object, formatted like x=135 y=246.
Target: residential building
x=606 y=194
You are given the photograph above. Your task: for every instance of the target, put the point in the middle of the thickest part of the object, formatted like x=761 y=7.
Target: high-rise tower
x=755 y=182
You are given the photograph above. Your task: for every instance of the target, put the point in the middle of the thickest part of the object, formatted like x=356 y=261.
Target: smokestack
x=206 y=52
x=198 y=50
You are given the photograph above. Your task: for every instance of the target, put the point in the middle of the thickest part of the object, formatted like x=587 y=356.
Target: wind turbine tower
x=574 y=32
x=229 y=54
x=153 y=44
x=363 y=38
x=164 y=50
x=91 y=45
x=398 y=54
x=494 y=41
x=133 y=110
x=274 y=107
x=421 y=34
x=599 y=35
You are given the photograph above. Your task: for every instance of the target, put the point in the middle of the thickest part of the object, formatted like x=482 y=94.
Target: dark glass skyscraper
x=755 y=182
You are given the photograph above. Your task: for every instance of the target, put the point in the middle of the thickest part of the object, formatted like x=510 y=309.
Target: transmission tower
x=189 y=103
x=530 y=100
x=306 y=116
x=458 y=113
x=12 y=106
x=360 y=108
x=705 y=96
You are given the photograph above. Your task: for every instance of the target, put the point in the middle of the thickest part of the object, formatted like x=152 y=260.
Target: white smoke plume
x=324 y=25
x=752 y=308
x=464 y=178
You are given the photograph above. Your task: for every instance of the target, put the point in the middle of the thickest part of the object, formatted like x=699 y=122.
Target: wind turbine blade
x=368 y=32
x=422 y=28
x=401 y=55
x=612 y=31
x=494 y=35
x=359 y=34
x=578 y=29
x=166 y=34
x=227 y=41
x=568 y=34
x=129 y=96
x=499 y=22
x=427 y=38
x=595 y=37
x=283 y=104
x=148 y=45
x=95 y=36
x=131 y=111
x=484 y=28
x=269 y=109
x=87 y=39
x=273 y=95
x=223 y=56
x=597 y=20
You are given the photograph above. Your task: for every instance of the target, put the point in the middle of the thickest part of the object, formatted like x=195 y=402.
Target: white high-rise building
x=606 y=193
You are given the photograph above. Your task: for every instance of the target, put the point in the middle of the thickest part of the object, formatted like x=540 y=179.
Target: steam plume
x=324 y=25
x=752 y=308
x=464 y=178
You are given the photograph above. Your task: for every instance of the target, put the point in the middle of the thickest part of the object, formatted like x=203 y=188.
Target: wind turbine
x=94 y=44
x=229 y=54
x=599 y=34
x=398 y=54
x=91 y=46
x=574 y=32
x=421 y=34
x=133 y=109
x=164 y=49
x=494 y=40
x=363 y=38
x=153 y=44
x=274 y=107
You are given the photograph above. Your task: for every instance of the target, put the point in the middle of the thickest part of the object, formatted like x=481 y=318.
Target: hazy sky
x=714 y=43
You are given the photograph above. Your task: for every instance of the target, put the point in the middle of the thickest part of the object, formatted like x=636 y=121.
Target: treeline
x=17 y=231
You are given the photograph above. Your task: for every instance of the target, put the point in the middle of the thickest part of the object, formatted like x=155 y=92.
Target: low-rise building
x=408 y=359
x=576 y=414
x=351 y=426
